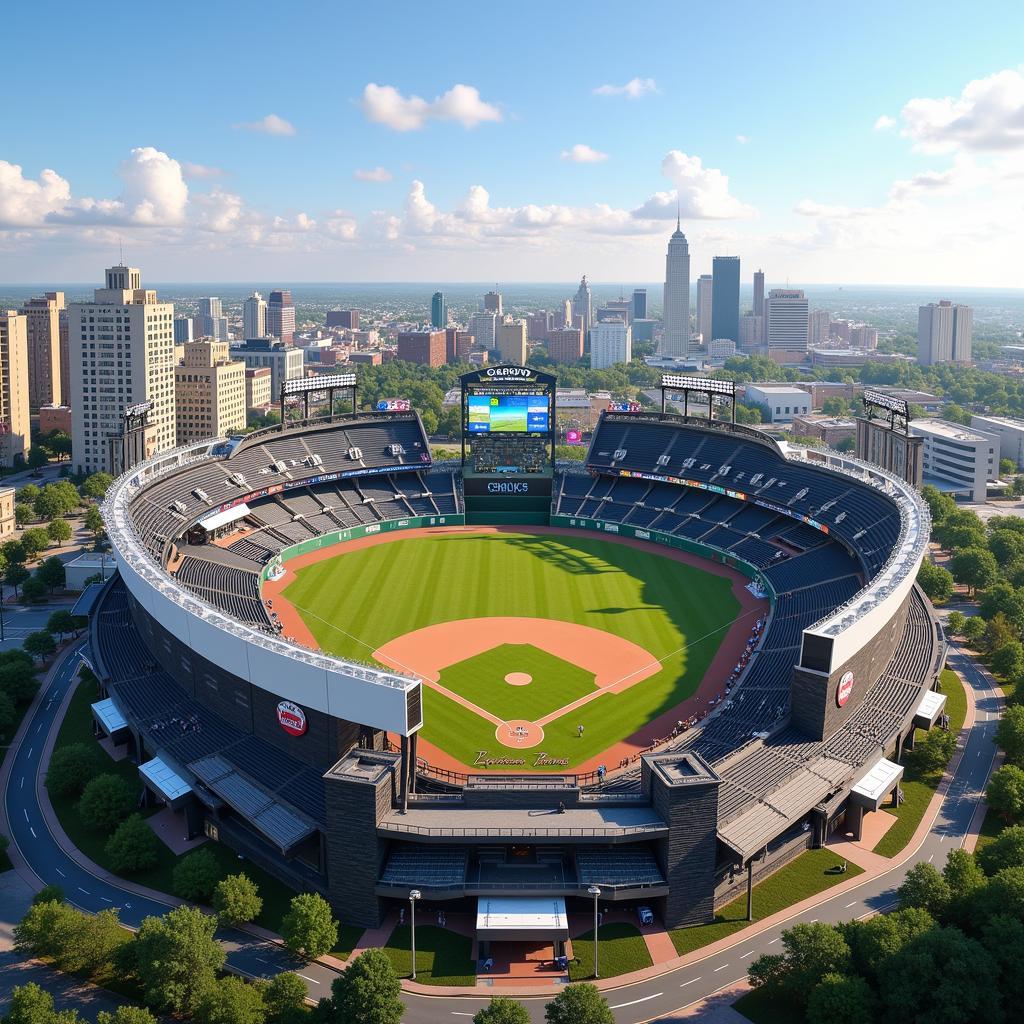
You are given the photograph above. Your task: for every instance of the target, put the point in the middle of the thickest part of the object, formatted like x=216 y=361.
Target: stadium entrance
x=508 y=444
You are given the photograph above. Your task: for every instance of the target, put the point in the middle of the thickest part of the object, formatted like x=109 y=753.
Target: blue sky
x=764 y=120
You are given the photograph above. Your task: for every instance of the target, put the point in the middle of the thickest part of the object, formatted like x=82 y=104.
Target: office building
x=862 y=336
x=457 y=345
x=785 y=320
x=484 y=327
x=944 y=333
x=616 y=309
x=286 y=362
x=42 y=315
x=758 y=307
x=783 y=402
x=720 y=349
x=840 y=331
x=209 y=392
x=538 y=324
x=675 y=341
x=957 y=459
x=65 y=358
x=211 y=317
x=751 y=332
x=348 y=319
x=492 y=302
x=818 y=328
x=15 y=430
x=258 y=393
x=1010 y=432
x=512 y=342
x=643 y=330
x=122 y=346
x=563 y=313
x=427 y=348
x=704 y=306
x=281 y=317
x=183 y=330
x=565 y=345
x=611 y=342
x=438 y=311
x=639 y=304
x=254 y=317
x=725 y=297
x=583 y=308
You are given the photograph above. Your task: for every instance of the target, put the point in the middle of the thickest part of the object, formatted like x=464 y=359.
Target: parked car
x=645 y=914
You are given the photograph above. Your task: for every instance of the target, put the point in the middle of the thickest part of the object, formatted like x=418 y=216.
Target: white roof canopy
x=109 y=716
x=511 y=918
x=164 y=779
x=877 y=783
x=929 y=709
x=229 y=515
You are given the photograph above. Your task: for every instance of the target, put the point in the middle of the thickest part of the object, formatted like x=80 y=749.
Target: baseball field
x=524 y=637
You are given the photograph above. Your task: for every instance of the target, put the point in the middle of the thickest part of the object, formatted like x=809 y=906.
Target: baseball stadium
x=503 y=680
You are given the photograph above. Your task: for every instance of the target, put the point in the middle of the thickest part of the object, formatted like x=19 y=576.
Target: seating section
x=438 y=867
x=618 y=868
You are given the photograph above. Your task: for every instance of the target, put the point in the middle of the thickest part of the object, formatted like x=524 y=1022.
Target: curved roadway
x=658 y=997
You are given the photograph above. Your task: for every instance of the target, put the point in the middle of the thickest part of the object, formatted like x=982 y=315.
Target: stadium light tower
x=414 y=895
x=595 y=892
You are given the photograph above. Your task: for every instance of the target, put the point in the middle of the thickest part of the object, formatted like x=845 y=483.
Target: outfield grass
x=679 y=613
x=919 y=786
x=442 y=957
x=622 y=950
x=801 y=878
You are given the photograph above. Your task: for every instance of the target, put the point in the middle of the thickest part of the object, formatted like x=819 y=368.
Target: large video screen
x=508 y=414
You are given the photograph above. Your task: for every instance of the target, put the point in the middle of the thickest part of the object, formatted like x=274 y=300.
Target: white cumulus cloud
x=702 y=193
x=373 y=174
x=384 y=104
x=884 y=123
x=583 y=154
x=25 y=202
x=742 y=139
x=269 y=125
x=191 y=170
x=634 y=88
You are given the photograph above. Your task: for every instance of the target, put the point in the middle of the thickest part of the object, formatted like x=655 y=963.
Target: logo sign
x=291 y=718
x=509 y=373
x=574 y=437
x=394 y=405
x=844 y=689
x=624 y=407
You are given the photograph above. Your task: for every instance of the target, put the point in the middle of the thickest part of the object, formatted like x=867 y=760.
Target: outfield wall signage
x=512 y=485
x=844 y=689
x=291 y=718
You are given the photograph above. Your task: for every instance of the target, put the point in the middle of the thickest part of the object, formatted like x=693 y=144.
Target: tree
x=1017 y=487
x=230 y=1000
x=39 y=644
x=285 y=999
x=94 y=520
x=237 y=900
x=935 y=581
x=1005 y=792
x=33 y=590
x=1010 y=734
x=133 y=846
x=58 y=499
x=974 y=630
x=176 y=958
x=1005 y=851
x=934 y=751
x=34 y=540
x=14 y=552
x=126 y=1015
x=62 y=622
x=23 y=513
x=581 y=1003
x=16 y=575
x=95 y=485
x=31 y=1004
x=105 y=802
x=964 y=877
x=368 y=990
x=8 y=714
x=28 y=494
x=502 y=1010
x=308 y=928
x=1002 y=597
x=37 y=457
x=1003 y=938
x=196 y=876
x=60 y=531
x=840 y=1000
x=955 y=623
x=75 y=941
x=873 y=941
x=70 y=768
x=1007 y=467
x=59 y=443
x=974 y=567
x=998 y=631
x=924 y=887
x=49 y=894
x=1006 y=545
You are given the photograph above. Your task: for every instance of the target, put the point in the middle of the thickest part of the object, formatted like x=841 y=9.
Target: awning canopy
x=163 y=779
x=108 y=717
x=521 y=918
x=876 y=784
x=931 y=706
x=83 y=606
x=218 y=519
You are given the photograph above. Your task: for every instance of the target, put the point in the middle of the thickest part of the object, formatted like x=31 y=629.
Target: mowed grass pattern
x=355 y=603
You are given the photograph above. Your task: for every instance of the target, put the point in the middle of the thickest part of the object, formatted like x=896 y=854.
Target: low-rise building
x=783 y=401
x=959 y=460
x=258 y=393
x=833 y=430
x=1010 y=433
x=54 y=417
x=7 y=523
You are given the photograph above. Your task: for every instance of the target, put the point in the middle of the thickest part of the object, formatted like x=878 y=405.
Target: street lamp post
x=595 y=892
x=414 y=895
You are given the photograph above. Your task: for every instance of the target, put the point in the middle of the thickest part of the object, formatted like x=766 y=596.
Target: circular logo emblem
x=291 y=718
x=844 y=689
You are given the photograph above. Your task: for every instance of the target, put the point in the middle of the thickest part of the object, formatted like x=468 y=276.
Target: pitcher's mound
x=519 y=679
x=519 y=733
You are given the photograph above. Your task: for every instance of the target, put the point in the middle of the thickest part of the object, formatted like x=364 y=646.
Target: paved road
x=657 y=998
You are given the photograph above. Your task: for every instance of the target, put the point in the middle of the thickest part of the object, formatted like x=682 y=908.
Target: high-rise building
x=610 y=342
x=457 y=345
x=258 y=394
x=818 y=327
x=65 y=357
x=286 y=362
x=565 y=312
x=862 y=336
x=42 y=315
x=751 y=332
x=438 y=311
x=281 y=316
x=345 y=318
x=484 y=327
x=538 y=324
x=211 y=317
x=616 y=309
x=704 y=306
x=675 y=340
x=492 y=302
x=512 y=342
x=639 y=304
x=209 y=392
x=565 y=345
x=122 y=347
x=254 y=317
x=944 y=333
x=758 y=308
x=583 y=308
x=786 y=314
x=725 y=297
x=427 y=348
x=15 y=430
x=183 y=332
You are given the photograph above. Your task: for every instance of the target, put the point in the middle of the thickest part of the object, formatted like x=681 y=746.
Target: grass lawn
x=77 y=728
x=991 y=825
x=348 y=939
x=442 y=957
x=919 y=786
x=759 y=1008
x=622 y=949
x=799 y=879
x=677 y=612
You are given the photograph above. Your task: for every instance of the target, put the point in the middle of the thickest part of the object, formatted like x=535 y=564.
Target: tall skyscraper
x=818 y=327
x=565 y=310
x=512 y=342
x=786 y=320
x=725 y=297
x=211 y=315
x=583 y=307
x=122 y=346
x=944 y=333
x=281 y=316
x=345 y=318
x=483 y=327
x=42 y=315
x=254 y=317
x=758 y=293
x=492 y=302
x=639 y=304
x=704 y=307
x=676 y=305
x=438 y=311
x=183 y=333
x=209 y=392
x=611 y=341
x=15 y=431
